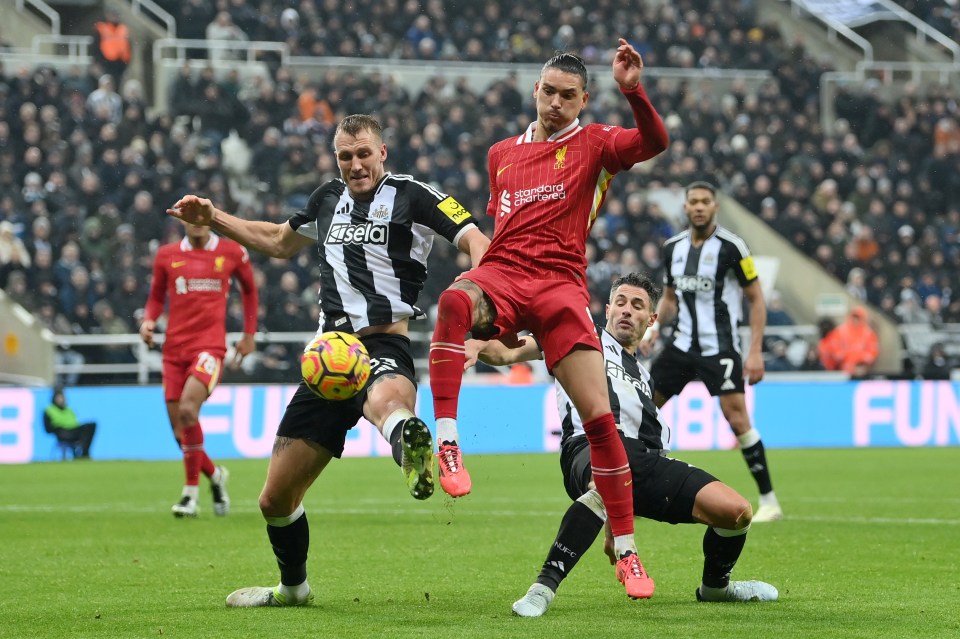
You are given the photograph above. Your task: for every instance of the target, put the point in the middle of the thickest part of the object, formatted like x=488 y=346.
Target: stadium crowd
x=85 y=174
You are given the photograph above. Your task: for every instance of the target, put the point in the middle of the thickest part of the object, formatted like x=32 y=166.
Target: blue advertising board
x=240 y=421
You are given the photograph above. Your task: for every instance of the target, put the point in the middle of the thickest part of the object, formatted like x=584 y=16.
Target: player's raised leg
x=455 y=316
x=294 y=466
x=389 y=404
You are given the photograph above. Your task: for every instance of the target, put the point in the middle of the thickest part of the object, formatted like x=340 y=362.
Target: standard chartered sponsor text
x=539 y=193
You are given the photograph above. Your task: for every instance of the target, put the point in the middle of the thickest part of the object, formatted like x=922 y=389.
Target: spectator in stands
x=777 y=360
x=127 y=297
x=777 y=314
x=183 y=93
x=148 y=221
x=16 y=289
x=937 y=365
x=14 y=255
x=267 y=158
x=222 y=29
x=41 y=112
x=110 y=324
x=910 y=309
x=111 y=44
x=77 y=290
x=851 y=347
x=105 y=104
x=218 y=114
x=856 y=284
x=193 y=17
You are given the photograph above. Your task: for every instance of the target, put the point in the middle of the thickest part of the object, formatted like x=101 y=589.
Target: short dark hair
x=354 y=124
x=700 y=184
x=640 y=280
x=568 y=63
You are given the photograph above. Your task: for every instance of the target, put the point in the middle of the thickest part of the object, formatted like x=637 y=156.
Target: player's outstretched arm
x=474 y=243
x=275 y=240
x=498 y=352
x=650 y=137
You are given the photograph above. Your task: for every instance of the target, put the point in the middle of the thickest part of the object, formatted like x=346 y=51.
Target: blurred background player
x=194 y=275
x=374 y=231
x=712 y=269
x=664 y=489
x=546 y=189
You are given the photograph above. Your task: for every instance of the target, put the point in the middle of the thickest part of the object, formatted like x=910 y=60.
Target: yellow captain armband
x=749 y=268
x=454 y=210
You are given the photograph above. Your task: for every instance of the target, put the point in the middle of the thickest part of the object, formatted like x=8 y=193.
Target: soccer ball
x=335 y=365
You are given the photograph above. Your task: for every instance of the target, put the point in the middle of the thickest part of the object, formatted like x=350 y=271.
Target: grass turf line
x=870 y=548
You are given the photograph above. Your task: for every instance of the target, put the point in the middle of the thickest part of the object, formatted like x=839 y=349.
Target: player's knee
x=272 y=506
x=454 y=305
x=741 y=514
x=189 y=413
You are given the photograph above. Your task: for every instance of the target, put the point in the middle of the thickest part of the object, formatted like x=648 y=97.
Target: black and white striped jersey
x=709 y=282
x=631 y=398
x=373 y=255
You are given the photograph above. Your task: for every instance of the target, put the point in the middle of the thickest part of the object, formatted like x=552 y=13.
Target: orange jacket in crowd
x=851 y=347
x=114 y=41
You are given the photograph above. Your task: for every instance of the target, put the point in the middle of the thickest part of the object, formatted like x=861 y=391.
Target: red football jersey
x=197 y=284
x=546 y=195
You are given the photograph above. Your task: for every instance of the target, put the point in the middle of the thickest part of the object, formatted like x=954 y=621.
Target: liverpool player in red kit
x=546 y=188
x=194 y=275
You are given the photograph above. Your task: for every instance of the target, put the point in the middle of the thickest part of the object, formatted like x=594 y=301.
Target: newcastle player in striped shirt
x=708 y=271
x=664 y=489
x=374 y=231
x=546 y=188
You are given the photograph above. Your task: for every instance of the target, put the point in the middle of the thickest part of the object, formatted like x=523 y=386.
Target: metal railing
x=154 y=11
x=834 y=28
x=43 y=9
x=75 y=46
x=175 y=49
x=890 y=75
x=924 y=31
x=918 y=339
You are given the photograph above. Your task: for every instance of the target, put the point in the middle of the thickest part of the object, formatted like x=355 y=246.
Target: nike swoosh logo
x=440 y=361
x=502 y=169
x=177 y=264
x=628 y=482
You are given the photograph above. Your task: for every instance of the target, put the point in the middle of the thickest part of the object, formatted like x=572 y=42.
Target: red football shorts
x=206 y=367
x=557 y=312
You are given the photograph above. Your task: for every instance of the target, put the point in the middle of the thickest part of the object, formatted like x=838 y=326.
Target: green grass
x=870 y=548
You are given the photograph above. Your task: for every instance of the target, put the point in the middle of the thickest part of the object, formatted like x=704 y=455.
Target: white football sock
x=447 y=429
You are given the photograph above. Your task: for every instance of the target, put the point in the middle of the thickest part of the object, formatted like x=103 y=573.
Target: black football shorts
x=664 y=489
x=326 y=422
x=673 y=369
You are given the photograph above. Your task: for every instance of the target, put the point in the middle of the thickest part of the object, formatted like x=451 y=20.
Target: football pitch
x=870 y=548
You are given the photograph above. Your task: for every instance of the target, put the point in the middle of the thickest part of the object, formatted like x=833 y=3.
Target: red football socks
x=611 y=472
x=454 y=314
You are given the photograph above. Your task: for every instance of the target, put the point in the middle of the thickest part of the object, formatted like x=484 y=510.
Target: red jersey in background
x=546 y=195
x=197 y=284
